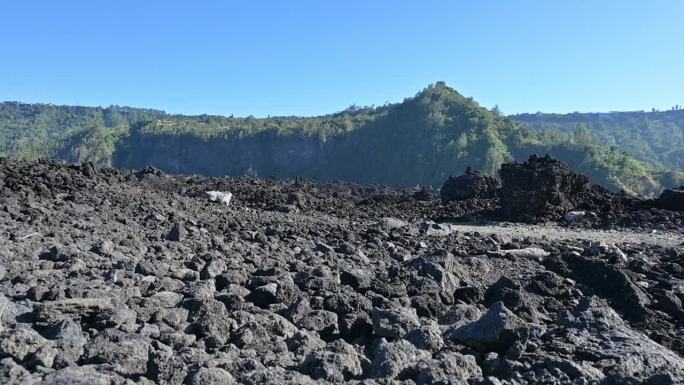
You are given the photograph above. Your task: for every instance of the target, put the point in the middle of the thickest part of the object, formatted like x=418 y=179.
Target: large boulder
x=82 y=375
x=392 y=358
x=472 y=184
x=130 y=352
x=211 y=376
x=448 y=368
x=394 y=323
x=496 y=330
x=671 y=199
x=20 y=344
x=276 y=376
x=73 y=308
x=593 y=329
x=337 y=362
x=612 y=283
x=540 y=188
x=12 y=373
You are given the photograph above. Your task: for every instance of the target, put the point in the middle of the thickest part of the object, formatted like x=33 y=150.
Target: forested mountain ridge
x=71 y=133
x=421 y=140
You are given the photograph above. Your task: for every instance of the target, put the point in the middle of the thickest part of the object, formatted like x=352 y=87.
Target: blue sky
x=312 y=57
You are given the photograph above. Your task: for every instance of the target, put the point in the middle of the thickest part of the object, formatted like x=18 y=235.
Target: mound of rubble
x=602 y=208
x=543 y=190
x=110 y=277
x=540 y=188
x=472 y=184
x=671 y=199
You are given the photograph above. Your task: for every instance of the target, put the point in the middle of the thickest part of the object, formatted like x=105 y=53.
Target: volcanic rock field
x=116 y=277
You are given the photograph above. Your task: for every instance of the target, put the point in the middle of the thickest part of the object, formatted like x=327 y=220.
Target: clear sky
x=312 y=57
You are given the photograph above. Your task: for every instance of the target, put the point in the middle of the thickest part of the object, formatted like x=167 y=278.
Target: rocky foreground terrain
x=111 y=277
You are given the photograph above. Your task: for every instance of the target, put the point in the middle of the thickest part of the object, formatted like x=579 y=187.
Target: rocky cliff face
x=355 y=157
x=259 y=155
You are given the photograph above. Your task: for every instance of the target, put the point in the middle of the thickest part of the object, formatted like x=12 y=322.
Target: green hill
x=421 y=140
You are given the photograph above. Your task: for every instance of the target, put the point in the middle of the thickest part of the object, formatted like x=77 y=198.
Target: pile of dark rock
x=472 y=184
x=544 y=189
x=109 y=277
x=540 y=188
x=671 y=199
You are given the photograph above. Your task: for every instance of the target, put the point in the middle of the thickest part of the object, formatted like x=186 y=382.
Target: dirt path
x=661 y=238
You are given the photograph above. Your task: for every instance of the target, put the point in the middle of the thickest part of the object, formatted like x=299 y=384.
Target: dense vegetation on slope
x=422 y=140
x=656 y=137
x=71 y=133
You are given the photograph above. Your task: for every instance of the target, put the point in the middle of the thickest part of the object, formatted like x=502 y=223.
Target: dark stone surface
x=540 y=188
x=671 y=199
x=112 y=277
x=472 y=184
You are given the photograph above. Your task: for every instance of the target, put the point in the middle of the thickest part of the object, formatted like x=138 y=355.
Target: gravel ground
x=555 y=232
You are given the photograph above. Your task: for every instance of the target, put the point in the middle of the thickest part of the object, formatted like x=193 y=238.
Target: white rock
x=219 y=197
x=621 y=256
x=533 y=253
x=389 y=223
x=574 y=215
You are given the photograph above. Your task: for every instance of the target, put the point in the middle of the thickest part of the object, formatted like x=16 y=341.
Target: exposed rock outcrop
x=472 y=184
x=540 y=188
